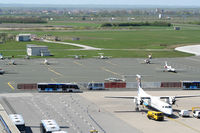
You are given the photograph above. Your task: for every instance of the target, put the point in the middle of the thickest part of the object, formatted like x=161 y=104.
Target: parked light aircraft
x=78 y=56
x=101 y=56
x=46 y=62
x=169 y=68
x=154 y=102
x=2 y=71
x=1 y=57
x=12 y=62
x=147 y=61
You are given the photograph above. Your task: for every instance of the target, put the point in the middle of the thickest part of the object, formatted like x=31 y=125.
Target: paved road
x=74 y=44
x=193 y=49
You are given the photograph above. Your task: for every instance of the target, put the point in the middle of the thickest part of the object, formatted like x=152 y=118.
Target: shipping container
x=144 y=85
x=171 y=85
x=27 y=86
x=115 y=85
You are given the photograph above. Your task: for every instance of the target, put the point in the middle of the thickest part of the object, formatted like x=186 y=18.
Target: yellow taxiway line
x=185 y=125
x=111 y=63
x=54 y=71
x=11 y=86
x=107 y=70
x=53 y=80
x=77 y=63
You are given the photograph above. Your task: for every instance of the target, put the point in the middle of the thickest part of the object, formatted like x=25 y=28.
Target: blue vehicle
x=58 y=87
x=95 y=86
x=191 y=85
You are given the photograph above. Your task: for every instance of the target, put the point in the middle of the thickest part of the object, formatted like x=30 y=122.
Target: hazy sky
x=109 y=2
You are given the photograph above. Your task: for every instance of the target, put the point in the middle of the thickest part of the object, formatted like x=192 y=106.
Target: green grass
x=120 y=54
x=13 y=45
x=144 y=37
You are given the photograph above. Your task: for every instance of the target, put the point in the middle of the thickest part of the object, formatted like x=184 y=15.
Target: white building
x=23 y=37
x=36 y=50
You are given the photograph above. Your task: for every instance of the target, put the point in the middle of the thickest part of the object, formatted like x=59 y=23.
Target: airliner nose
x=170 y=111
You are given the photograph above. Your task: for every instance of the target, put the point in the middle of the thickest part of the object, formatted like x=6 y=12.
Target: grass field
x=134 y=38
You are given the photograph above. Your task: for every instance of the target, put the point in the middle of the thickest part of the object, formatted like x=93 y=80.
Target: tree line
x=22 y=20
x=156 y=23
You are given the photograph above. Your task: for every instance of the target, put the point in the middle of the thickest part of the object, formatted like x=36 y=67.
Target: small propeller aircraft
x=12 y=62
x=169 y=68
x=46 y=62
x=154 y=102
x=78 y=56
x=1 y=57
x=2 y=71
x=148 y=60
x=101 y=56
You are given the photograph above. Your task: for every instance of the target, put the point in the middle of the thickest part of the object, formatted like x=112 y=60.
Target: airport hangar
x=90 y=110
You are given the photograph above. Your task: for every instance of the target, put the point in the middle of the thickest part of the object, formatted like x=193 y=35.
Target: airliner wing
x=181 y=96
x=123 y=97
x=186 y=96
x=128 y=97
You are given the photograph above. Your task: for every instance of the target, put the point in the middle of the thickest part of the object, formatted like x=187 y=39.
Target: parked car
x=184 y=113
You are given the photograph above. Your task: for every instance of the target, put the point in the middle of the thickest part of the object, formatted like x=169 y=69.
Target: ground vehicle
x=184 y=113
x=158 y=116
x=95 y=86
x=196 y=113
x=191 y=85
x=18 y=121
x=58 y=87
x=49 y=126
x=93 y=131
x=114 y=80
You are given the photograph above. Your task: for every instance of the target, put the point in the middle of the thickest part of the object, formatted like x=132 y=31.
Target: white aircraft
x=1 y=57
x=46 y=62
x=2 y=71
x=12 y=62
x=101 y=56
x=154 y=102
x=78 y=56
x=147 y=61
x=169 y=68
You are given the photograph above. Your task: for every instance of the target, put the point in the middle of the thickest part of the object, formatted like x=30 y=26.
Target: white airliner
x=169 y=68
x=154 y=102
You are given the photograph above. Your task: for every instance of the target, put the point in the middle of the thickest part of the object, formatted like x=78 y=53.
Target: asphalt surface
x=87 y=70
x=73 y=113
x=78 y=113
